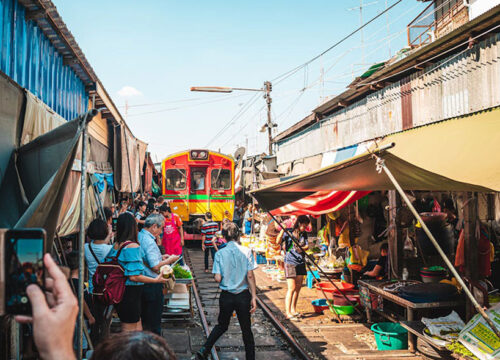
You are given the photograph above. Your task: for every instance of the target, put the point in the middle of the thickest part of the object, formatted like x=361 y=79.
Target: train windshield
x=221 y=179
x=198 y=179
x=176 y=179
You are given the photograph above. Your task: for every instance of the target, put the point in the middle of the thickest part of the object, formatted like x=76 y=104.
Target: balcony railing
x=434 y=22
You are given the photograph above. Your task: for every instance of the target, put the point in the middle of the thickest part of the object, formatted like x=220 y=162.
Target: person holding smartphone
x=131 y=259
x=295 y=265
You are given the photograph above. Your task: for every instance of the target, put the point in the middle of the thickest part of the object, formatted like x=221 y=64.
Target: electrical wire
x=289 y=73
x=432 y=58
x=190 y=106
x=240 y=112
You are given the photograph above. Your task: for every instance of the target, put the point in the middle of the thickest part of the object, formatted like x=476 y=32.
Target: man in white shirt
x=233 y=270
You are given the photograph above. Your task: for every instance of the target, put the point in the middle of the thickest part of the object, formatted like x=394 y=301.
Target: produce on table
x=181 y=273
x=332 y=262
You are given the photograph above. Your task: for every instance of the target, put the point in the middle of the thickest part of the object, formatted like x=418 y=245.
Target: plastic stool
x=310 y=280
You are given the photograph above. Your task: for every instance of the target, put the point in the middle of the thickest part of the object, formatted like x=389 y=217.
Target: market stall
x=407 y=162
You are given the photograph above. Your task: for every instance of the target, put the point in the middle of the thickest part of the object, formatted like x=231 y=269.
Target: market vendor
x=273 y=247
x=380 y=268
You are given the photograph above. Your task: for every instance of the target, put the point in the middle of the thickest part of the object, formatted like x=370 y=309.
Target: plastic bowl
x=319 y=305
x=343 y=310
x=338 y=299
x=329 y=288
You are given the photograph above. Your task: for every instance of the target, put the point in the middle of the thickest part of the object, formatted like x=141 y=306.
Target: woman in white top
x=96 y=250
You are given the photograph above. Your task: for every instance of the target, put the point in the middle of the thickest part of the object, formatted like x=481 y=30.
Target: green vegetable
x=181 y=273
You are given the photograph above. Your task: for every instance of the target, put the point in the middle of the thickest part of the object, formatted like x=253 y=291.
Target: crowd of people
x=143 y=236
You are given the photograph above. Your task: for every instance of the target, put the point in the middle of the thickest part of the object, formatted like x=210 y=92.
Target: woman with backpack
x=95 y=253
x=129 y=255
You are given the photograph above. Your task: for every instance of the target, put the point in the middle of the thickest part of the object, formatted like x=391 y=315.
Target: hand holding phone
x=23 y=265
x=54 y=321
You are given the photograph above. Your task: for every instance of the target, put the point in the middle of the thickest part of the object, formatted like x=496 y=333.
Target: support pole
x=268 y=87
x=382 y=167
x=87 y=117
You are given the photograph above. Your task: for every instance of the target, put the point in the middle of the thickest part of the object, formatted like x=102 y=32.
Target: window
x=175 y=179
x=221 y=179
x=198 y=179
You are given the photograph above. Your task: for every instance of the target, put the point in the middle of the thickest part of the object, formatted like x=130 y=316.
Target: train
x=196 y=182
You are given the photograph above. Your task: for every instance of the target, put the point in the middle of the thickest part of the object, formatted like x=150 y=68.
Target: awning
x=454 y=155
x=129 y=155
x=322 y=202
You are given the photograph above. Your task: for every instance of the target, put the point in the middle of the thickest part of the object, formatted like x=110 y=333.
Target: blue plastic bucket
x=390 y=336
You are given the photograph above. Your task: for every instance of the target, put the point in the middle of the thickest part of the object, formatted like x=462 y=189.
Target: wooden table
x=374 y=286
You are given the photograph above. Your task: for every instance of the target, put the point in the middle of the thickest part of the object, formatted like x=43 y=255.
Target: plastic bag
x=478 y=337
x=447 y=327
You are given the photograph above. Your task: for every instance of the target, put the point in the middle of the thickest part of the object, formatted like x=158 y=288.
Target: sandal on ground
x=298 y=315
x=292 y=318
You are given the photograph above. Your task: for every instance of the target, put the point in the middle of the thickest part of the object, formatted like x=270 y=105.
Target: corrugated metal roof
x=28 y=57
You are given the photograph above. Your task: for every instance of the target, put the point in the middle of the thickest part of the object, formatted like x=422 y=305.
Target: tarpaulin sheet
x=11 y=103
x=39 y=119
x=48 y=158
x=129 y=156
x=454 y=155
x=149 y=169
x=322 y=202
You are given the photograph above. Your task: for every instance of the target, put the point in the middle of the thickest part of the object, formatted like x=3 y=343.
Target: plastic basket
x=390 y=336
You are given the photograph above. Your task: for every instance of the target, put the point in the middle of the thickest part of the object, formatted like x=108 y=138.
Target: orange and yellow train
x=197 y=181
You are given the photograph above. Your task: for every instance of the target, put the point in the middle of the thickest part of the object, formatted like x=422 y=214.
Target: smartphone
x=23 y=265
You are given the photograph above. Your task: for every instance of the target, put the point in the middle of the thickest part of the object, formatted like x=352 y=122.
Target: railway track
x=272 y=339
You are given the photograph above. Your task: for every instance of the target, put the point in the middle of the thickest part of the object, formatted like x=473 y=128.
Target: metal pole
x=81 y=239
x=381 y=166
x=268 y=87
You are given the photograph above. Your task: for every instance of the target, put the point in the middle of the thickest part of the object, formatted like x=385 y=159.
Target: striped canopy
x=321 y=202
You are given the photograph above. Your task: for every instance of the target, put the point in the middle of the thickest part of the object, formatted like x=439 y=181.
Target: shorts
x=291 y=271
x=129 y=309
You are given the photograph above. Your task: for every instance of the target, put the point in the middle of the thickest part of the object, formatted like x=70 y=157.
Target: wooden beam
x=70 y=60
x=35 y=14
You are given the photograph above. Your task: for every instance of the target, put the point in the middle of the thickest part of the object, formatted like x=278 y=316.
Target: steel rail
x=284 y=331
x=203 y=318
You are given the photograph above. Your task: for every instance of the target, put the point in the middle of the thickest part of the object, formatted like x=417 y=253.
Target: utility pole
x=268 y=87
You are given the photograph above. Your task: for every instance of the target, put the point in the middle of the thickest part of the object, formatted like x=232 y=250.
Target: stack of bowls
x=433 y=274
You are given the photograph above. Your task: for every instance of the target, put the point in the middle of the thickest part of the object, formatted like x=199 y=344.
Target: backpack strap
x=93 y=253
x=123 y=246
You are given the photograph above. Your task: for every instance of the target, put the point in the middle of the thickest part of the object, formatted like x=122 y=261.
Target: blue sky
x=151 y=52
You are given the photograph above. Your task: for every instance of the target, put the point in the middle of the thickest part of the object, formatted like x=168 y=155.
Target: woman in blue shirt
x=295 y=265
x=131 y=259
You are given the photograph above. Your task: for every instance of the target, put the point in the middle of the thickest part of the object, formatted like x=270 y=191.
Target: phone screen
x=24 y=251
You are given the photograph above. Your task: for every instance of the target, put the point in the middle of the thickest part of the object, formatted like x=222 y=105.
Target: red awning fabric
x=321 y=202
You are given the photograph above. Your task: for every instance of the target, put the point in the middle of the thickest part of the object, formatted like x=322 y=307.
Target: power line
x=294 y=70
x=240 y=112
x=190 y=106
